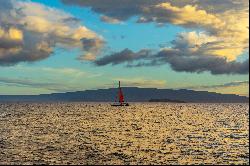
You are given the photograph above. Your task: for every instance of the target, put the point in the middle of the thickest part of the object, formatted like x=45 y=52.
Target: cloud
x=25 y=82
x=228 y=24
x=190 y=52
x=141 y=82
x=226 y=85
x=198 y=52
x=30 y=31
x=124 y=9
x=234 y=87
x=52 y=86
x=226 y=21
x=110 y=20
x=29 y=83
x=120 y=10
x=10 y=38
x=64 y=71
x=178 y=60
x=91 y=44
x=124 y=56
x=188 y=15
x=199 y=64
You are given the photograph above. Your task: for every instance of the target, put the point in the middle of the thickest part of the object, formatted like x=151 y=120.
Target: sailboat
x=121 y=98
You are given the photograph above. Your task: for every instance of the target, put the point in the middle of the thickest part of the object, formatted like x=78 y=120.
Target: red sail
x=121 y=98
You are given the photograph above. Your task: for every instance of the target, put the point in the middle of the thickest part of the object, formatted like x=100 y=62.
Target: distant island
x=166 y=100
x=131 y=94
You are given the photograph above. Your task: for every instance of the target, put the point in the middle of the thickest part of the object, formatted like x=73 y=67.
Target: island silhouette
x=132 y=94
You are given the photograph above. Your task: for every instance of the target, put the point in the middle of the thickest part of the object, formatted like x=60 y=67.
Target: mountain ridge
x=132 y=94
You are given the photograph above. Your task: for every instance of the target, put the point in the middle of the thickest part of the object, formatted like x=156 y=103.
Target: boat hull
x=119 y=104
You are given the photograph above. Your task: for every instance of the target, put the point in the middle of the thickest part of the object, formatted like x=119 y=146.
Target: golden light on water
x=96 y=133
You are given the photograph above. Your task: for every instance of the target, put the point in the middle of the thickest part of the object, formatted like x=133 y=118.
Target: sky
x=72 y=45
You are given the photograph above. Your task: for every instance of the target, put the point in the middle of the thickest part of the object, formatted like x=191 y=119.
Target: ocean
x=142 y=133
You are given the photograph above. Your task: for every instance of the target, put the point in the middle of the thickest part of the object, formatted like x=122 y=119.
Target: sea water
x=143 y=133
